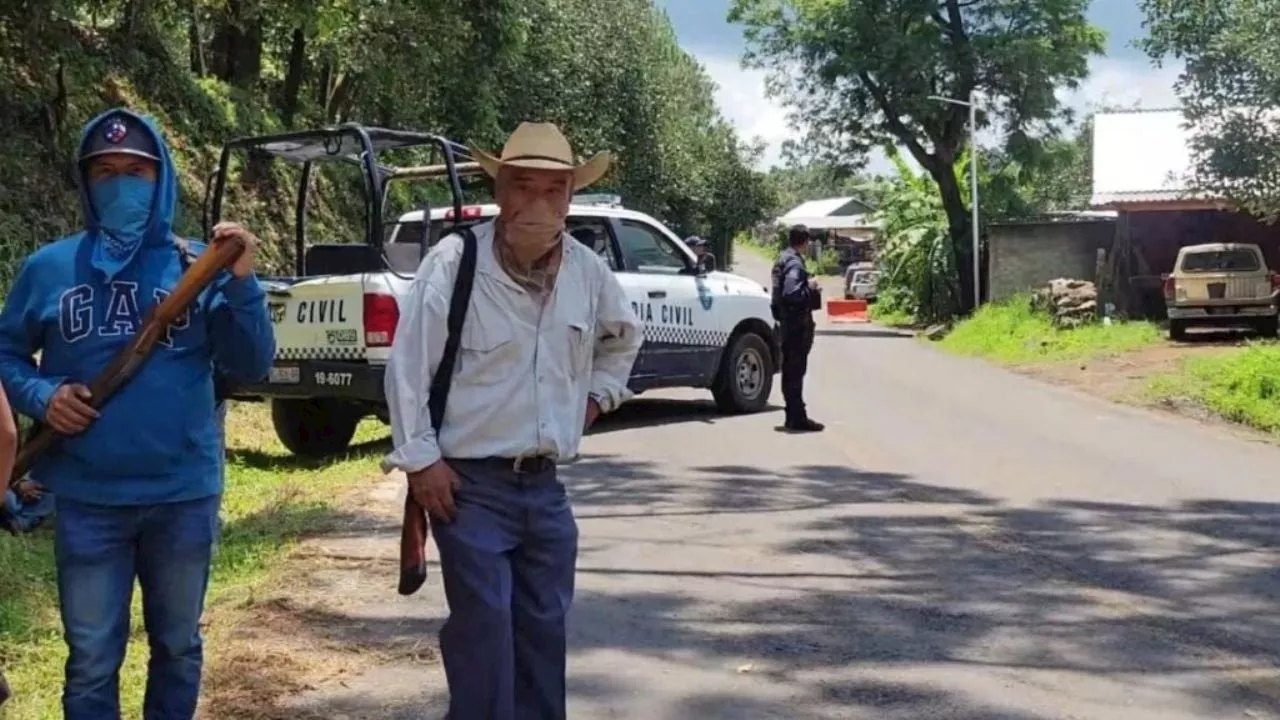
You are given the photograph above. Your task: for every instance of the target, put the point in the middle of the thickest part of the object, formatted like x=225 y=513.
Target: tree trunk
x=323 y=84
x=237 y=45
x=194 y=39
x=293 y=77
x=958 y=222
x=340 y=98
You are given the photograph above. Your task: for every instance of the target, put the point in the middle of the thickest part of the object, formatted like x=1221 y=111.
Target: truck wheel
x=745 y=378
x=1267 y=326
x=1178 y=330
x=314 y=428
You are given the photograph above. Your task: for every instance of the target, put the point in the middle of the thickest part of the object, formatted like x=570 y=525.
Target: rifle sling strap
x=459 y=301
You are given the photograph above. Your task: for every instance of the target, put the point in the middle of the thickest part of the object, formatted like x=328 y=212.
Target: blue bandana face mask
x=123 y=207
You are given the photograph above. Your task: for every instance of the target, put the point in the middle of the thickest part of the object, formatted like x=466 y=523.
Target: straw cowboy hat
x=541 y=146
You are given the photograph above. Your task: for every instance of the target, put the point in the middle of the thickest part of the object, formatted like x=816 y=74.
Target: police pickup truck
x=703 y=328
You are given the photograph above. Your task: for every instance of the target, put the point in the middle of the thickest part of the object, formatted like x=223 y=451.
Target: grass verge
x=1240 y=386
x=272 y=500
x=1009 y=332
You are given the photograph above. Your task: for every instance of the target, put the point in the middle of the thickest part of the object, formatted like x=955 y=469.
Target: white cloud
x=1111 y=82
x=1125 y=84
x=742 y=98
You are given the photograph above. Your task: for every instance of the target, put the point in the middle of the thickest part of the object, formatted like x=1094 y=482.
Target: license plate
x=1222 y=311
x=333 y=379
x=285 y=375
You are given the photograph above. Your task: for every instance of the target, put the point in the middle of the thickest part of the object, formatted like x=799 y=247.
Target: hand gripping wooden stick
x=221 y=254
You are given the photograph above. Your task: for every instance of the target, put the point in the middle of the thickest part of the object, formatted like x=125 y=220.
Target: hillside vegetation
x=610 y=73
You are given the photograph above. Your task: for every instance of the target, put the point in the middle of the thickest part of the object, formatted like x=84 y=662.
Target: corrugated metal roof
x=1140 y=156
x=819 y=208
x=829 y=222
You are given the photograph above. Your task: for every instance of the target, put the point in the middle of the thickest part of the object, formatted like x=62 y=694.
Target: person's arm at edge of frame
x=28 y=390
x=416 y=351
x=244 y=342
x=619 y=335
x=8 y=440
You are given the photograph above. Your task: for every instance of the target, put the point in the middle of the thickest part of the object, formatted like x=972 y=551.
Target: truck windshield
x=1221 y=261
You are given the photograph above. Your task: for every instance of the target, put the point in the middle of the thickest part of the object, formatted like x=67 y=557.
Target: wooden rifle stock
x=217 y=257
x=414 y=531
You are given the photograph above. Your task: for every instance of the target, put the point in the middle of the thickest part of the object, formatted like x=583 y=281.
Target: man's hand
x=228 y=230
x=593 y=413
x=813 y=283
x=69 y=412
x=29 y=490
x=433 y=488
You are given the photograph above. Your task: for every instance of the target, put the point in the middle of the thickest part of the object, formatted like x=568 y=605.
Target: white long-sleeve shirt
x=525 y=367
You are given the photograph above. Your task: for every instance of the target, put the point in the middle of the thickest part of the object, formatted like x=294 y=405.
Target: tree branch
x=894 y=123
x=962 y=50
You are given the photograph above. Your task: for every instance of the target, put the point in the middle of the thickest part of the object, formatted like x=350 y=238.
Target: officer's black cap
x=695 y=241
x=121 y=133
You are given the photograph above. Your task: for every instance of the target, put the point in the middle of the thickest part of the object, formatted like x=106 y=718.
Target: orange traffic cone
x=847 y=311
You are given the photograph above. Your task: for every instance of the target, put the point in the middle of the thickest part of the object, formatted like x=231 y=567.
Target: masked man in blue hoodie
x=138 y=482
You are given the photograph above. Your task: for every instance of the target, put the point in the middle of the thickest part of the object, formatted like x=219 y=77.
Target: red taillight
x=1275 y=282
x=471 y=212
x=1170 y=287
x=381 y=313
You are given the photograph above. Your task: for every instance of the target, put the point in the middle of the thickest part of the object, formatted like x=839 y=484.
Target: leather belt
x=522 y=465
x=530 y=464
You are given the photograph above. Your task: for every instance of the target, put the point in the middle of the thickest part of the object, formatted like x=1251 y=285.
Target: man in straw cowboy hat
x=546 y=347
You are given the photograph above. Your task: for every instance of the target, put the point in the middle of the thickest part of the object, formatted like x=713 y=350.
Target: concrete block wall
x=1023 y=256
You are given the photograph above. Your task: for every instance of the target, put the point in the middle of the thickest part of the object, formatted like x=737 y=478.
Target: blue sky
x=1123 y=77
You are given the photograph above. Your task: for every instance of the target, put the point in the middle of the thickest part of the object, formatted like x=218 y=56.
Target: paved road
x=961 y=544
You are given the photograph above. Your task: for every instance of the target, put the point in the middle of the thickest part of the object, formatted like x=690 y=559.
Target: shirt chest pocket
x=486 y=351
x=581 y=345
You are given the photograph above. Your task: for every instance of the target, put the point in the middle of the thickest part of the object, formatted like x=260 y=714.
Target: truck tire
x=1267 y=326
x=1177 y=330
x=314 y=427
x=745 y=379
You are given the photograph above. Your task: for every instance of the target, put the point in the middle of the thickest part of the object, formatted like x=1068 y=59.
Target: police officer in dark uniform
x=701 y=248
x=795 y=297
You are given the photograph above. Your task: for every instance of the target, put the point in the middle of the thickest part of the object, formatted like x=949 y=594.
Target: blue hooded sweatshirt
x=159 y=438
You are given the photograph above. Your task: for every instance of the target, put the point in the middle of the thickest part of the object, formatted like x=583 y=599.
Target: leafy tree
x=612 y=74
x=859 y=74
x=918 y=276
x=1052 y=174
x=803 y=181
x=1229 y=90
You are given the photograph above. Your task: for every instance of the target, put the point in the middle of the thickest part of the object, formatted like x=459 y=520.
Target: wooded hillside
x=611 y=73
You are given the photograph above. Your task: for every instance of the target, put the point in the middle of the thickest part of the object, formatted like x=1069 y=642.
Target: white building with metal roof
x=846 y=214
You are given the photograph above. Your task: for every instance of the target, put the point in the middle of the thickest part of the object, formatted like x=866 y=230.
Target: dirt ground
x=1122 y=378
x=1126 y=378
x=301 y=631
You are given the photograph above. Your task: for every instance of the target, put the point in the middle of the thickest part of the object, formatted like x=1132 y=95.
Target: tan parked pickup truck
x=1221 y=284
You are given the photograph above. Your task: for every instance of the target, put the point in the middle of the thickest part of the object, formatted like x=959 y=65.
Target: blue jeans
x=507 y=561
x=99 y=551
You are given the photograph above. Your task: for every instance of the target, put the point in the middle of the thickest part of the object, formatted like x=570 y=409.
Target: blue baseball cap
x=695 y=241
x=124 y=134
